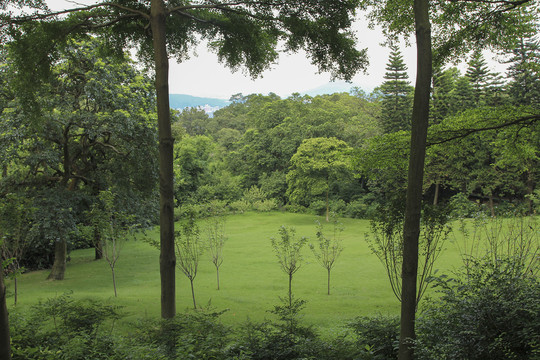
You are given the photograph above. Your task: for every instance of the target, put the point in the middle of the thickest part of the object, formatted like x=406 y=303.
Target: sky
x=202 y=75
x=205 y=76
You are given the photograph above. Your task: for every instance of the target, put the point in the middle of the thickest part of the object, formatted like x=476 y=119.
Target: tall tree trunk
x=411 y=227
x=167 y=258
x=60 y=257
x=5 y=344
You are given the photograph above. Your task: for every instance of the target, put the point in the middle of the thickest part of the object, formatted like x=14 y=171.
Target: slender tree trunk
x=411 y=227
x=5 y=343
x=217 y=275
x=60 y=256
x=290 y=290
x=328 y=281
x=327 y=207
x=15 y=288
x=114 y=282
x=167 y=258
x=193 y=294
x=530 y=189
x=436 y=196
x=491 y=206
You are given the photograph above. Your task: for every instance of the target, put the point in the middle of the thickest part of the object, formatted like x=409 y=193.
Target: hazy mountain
x=181 y=101
x=330 y=88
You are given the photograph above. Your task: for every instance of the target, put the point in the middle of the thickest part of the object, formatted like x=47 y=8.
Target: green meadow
x=251 y=279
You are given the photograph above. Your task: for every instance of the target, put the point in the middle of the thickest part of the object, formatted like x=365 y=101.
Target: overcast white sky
x=204 y=76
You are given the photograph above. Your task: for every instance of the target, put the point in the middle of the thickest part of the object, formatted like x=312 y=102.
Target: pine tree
x=525 y=72
x=397 y=94
x=463 y=95
x=478 y=75
x=443 y=93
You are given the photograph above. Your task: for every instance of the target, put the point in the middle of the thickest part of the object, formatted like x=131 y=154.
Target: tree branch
x=461 y=133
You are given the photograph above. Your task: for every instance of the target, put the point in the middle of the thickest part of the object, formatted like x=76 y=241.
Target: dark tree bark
x=5 y=345
x=167 y=258
x=60 y=257
x=411 y=227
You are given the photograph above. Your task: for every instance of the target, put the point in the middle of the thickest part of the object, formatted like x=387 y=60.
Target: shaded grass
x=251 y=279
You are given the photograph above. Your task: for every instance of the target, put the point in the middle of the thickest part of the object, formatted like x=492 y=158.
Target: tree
x=396 y=101
x=456 y=31
x=95 y=129
x=242 y=33
x=189 y=251
x=215 y=230
x=315 y=165
x=328 y=249
x=288 y=251
x=114 y=227
x=387 y=243
x=525 y=72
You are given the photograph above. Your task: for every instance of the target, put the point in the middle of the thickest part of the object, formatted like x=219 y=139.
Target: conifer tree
x=525 y=72
x=397 y=91
x=478 y=75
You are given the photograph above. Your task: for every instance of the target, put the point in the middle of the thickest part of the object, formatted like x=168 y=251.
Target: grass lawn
x=251 y=278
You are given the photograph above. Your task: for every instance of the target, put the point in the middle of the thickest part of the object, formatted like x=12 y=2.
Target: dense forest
x=351 y=148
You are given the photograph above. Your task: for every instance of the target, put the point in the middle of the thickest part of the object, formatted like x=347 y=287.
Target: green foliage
x=64 y=328
x=488 y=313
x=198 y=335
x=462 y=207
x=316 y=164
x=387 y=242
x=379 y=335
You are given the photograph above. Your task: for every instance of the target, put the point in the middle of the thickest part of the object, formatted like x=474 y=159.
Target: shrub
x=64 y=328
x=490 y=311
x=462 y=207
x=265 y=205
x=377 y=336
x=240 y=206
x=194 y=335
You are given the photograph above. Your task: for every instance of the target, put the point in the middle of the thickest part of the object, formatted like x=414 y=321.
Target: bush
x=492 y=311
x=265 y=205
x=240 y=206
x=195 y=335
x=377 y=336
x=63 y=328
x=462 y=207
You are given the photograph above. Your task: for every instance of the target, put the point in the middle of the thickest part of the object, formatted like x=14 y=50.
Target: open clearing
x=251 y=278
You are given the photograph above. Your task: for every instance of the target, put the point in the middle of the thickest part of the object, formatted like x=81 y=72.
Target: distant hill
x=181 y=101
